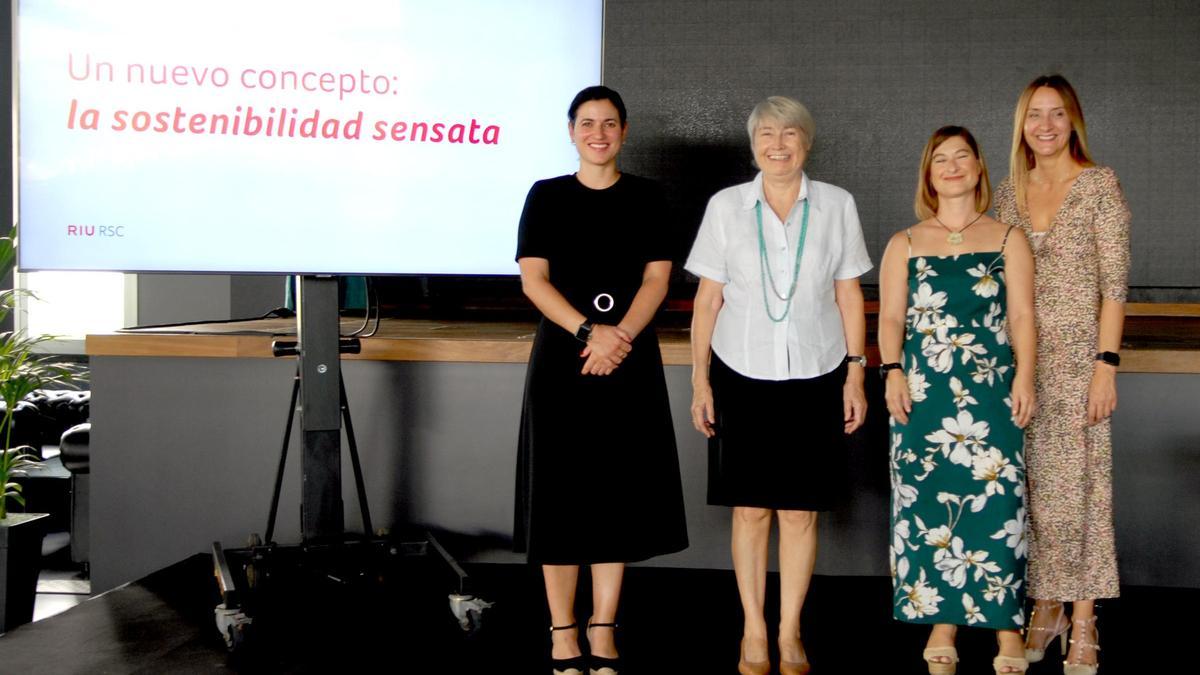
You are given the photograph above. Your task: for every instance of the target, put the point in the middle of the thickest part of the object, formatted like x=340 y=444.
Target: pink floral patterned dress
x=1082 y=259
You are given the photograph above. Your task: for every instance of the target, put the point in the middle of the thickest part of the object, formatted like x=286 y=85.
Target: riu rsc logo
x=96 y=231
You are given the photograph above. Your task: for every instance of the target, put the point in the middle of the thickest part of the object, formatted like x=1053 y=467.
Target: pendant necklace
x=956 y=238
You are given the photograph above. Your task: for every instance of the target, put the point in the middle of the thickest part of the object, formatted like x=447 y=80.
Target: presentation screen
x=292 y=136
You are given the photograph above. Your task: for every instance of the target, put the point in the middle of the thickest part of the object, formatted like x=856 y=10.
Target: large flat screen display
x=292 y=136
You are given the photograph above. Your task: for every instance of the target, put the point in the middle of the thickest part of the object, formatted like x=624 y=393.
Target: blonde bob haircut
x=1022 y=159
x=926 y=202
x=788 y=112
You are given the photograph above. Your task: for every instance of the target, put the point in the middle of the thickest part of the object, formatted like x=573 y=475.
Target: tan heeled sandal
x=794 y=667
x=1016 y=664
x=1035 y=647
x=1084 y=668
x=937 y=667
x=751 y=667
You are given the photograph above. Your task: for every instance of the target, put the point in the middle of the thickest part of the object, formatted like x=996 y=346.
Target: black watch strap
x=884 y=368
x=860 y=360
x=584 y=333
x=1111 y=358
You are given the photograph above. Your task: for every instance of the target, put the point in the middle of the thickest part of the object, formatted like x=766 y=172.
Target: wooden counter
x=1159 y=338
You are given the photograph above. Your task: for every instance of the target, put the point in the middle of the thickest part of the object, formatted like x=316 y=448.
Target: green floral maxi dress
x=957 y=467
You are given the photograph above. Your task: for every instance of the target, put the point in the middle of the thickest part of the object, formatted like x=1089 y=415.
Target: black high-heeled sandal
x=574 y=665
x=602 y=665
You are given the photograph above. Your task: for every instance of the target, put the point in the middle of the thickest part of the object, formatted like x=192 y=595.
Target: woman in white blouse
x=778 y=337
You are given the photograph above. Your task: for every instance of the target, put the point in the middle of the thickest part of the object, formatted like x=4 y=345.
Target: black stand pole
x=320 y=409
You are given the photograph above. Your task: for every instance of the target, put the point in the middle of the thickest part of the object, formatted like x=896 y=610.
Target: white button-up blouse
x=810 y=340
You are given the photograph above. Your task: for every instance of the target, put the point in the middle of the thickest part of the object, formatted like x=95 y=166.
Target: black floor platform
x=673 y=621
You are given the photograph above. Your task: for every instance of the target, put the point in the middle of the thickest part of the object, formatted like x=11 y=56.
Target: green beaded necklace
x=764 y=266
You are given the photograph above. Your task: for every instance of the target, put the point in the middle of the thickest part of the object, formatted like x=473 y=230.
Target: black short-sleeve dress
x=597 y=468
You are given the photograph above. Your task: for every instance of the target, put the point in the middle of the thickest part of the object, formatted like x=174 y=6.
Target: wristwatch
x=584 y=333
x=884 y=368
x=860 y=360
x=1111 y=358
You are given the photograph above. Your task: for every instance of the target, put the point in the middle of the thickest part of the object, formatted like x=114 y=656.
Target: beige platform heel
x=1016 y=664
x=937 y=667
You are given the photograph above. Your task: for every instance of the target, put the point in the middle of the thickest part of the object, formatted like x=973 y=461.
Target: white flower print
x=959 y=436
x=986 y=370
x=995 y=322
x=920 y=599
x=936 y=329
x=928 y=331
x=917 y=384
x=964 y=342
x=926 y=304
x=998 y=589
x=1019 y=617
x=899 y=454
x=900 y=535
x=974 y=616
x=958 y=563
x=941 y=353
x=962 y=396
x=924 y=269
x=1013 y=534
x=948 y=498
x=928 y=463
x=903 y=496
x=991 y=465
x=987 y=286
x=939 y=538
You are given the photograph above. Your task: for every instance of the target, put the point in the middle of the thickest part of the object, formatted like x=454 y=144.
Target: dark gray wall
x=186 y=298
x=880 y=76
x=185 y=450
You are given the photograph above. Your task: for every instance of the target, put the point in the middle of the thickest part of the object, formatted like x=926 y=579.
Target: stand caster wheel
x=232 y=624
x=468 y=610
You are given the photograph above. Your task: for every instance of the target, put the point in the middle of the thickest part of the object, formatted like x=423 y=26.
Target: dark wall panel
x=880 y=76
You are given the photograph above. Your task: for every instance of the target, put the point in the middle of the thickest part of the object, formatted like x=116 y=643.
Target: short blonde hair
x=926 y=201
x=1022 y=159
x=791 y=114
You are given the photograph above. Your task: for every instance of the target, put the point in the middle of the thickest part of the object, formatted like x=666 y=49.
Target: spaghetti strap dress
x=957 y=467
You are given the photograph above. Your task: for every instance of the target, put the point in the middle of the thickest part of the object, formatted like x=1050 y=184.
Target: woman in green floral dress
x=956 y=301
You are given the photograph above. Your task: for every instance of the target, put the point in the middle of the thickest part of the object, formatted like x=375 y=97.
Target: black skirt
x=597 y=468
x=778 y=444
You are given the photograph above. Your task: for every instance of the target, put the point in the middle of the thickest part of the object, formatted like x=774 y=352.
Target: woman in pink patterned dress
x=1075 y=215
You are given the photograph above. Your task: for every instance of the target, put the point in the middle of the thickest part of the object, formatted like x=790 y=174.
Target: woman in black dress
x=597 y=470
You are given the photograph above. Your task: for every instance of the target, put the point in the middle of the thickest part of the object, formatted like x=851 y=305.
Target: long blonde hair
x=1022 y=159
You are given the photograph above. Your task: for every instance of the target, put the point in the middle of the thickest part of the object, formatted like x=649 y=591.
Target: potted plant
x=22 y=371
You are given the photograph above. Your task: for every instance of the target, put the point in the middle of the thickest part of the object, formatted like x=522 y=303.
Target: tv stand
x=327 y=554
